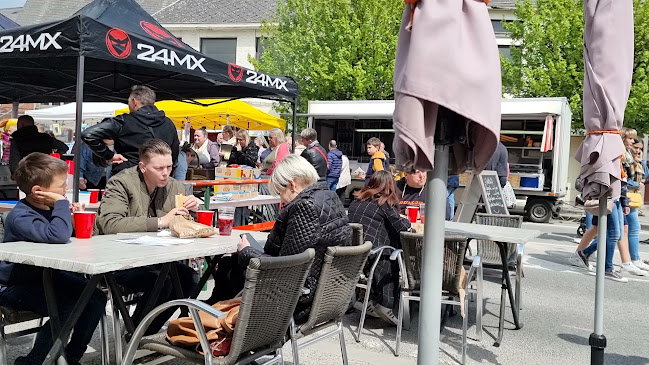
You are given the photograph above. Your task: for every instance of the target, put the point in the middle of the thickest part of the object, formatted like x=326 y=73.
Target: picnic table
x=99 y=257
x=208 y=184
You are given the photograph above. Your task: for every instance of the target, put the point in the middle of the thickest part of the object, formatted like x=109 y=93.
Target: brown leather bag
x=181 y=331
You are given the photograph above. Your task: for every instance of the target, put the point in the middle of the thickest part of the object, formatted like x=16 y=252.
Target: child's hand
x=48 y=198
x=77 y=207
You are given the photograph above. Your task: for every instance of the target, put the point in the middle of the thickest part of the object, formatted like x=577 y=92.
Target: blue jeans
x=67 y=288
x=634 y=234
x=332 y=182
x=589 y=221
x=614 y=232
x=450 y=203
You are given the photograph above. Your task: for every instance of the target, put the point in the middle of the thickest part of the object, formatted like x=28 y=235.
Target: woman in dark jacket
x=245 y=152
x=377 y=208
x=313 y=217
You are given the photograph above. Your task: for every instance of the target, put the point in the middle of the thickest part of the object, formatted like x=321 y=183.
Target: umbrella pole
x=294 y=105
x=432 y=260
x=597 y=339
x=77 y=132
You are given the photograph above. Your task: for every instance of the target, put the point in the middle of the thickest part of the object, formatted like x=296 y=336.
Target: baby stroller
x=582 y=221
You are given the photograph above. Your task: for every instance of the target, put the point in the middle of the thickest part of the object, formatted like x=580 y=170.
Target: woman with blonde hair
x=313 y=217
x=245 y=152
x=279 y=150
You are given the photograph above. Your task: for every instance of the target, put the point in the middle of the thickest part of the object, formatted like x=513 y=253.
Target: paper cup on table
x=205 y=217
x=412 y=213
x=83 y=224
x=226 y=220
x=94 y=195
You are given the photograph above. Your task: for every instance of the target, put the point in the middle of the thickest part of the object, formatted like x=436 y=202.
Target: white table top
x=259 y=200
x=102 y=254
x=484 y=232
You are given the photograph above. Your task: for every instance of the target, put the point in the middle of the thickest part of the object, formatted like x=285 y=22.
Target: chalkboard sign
x=492 y=193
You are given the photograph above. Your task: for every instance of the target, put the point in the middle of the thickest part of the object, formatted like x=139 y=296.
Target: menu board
x=492 y=193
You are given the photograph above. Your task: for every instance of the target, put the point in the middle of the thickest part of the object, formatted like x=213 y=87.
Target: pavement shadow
x=555 y=257
x=609 y=358
x=558 y=237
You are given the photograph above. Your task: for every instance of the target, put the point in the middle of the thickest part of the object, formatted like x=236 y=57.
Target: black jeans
x=142 y=279
x=67 y=288
x=229 y=278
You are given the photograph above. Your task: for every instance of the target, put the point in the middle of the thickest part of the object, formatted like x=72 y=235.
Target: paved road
x=557 y=315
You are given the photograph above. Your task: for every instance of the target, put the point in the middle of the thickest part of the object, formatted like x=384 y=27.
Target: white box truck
x=540 y=179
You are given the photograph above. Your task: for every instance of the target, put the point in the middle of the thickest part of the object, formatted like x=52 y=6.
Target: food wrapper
x=183 y=226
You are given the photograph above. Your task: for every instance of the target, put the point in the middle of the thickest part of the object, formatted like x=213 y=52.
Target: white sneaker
x=640 y=265
x=631 y=269
x=577 y=260
x=386 y=314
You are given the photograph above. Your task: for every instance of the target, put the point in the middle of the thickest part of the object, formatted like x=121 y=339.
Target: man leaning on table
x=142 y=199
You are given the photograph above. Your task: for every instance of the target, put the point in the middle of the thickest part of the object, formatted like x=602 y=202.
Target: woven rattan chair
x=271 y=291
x=454 y=250
x=489 y=251
x=357 y=234
x=340 y=272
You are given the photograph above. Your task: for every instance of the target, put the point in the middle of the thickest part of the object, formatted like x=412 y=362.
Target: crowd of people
x=623 y=225
x=139 y=160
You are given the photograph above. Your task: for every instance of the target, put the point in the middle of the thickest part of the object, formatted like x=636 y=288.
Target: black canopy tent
x=106 y=47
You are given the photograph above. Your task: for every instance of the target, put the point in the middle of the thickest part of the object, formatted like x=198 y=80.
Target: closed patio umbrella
x=608 y=68
x=447 y=98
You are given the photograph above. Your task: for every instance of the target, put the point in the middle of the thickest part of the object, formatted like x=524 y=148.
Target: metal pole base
x=597 y=345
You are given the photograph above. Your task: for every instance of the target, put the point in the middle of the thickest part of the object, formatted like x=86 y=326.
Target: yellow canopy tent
x=234 y=112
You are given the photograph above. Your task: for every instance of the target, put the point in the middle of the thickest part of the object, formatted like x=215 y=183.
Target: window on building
x=498 y=26
x=506 y=52
x=222 y=49
x=259 y=47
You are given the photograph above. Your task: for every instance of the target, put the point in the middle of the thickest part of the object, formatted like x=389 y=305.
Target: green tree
x=547 y=57
x=334 y=49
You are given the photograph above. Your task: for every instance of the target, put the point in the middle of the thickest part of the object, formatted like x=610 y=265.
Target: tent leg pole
x=294 y=104
x=14 y=109
x=597 y=340
x=77 y=131
x=432 y=265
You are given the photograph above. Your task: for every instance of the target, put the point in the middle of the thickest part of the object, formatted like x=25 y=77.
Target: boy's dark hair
x=153 y=147
x=38 y=169
x=374 y=142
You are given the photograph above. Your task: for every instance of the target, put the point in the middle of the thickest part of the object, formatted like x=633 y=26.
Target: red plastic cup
x=94 y=195
x=225 y=226
x=205 y=217
x=412 y=213
x=55 y=155
x=103 y=191
x=70 y=164
x=83 y=223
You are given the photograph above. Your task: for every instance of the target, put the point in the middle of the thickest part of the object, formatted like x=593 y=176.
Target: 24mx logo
x=258 y=78
x=25 y=42
x=169 y=57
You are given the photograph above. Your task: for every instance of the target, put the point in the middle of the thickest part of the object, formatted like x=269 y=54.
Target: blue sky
x=6 y=4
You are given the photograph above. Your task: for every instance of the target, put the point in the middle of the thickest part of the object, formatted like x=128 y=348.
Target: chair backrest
x=357 y=234
x=271 y=291
x=454 y=250
x=340 y=272
x=489 y=251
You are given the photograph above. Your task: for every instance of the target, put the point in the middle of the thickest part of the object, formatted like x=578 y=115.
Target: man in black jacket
x=314 y=152
x=26 y=139
x=131 y=130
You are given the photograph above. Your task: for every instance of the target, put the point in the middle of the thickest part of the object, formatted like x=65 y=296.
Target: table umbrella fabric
x=449 y=58
x=234 y=112
x=608 y=70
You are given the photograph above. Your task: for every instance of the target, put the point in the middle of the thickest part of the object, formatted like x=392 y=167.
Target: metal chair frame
x=408 y=294
x=325 y=310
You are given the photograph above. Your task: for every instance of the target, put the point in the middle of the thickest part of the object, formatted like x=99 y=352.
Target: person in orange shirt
x=378 y=161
